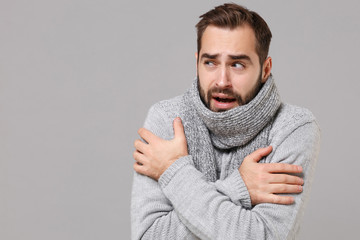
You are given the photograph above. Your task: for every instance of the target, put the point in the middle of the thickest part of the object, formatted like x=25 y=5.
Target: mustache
x=225 y=91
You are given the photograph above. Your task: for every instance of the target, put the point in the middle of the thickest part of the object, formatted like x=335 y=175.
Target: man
x=227 y=159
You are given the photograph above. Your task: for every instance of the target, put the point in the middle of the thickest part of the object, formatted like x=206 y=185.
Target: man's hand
x=155 y=156
x=265 y=180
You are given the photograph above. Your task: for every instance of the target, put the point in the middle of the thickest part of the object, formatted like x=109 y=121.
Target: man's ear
x=266 y=69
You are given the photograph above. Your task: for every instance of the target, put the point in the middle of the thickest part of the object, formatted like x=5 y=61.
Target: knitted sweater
x=184 y=204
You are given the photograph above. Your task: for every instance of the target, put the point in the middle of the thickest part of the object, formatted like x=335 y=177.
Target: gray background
x=78 y=76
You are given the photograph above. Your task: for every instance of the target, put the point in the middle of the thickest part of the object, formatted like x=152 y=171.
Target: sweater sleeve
x=234 y=187
x=211 y=215
x=152 y=214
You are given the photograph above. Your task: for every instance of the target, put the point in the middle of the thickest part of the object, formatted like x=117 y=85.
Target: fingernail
x=178 y=119
x=300 y=168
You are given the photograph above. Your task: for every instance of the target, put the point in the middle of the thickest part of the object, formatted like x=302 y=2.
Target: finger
x=285 y=188
x=178 y=128
x=286 y=179
x=285 y=200
x=147 y=135
x=139 y=157
x=282 y=168
x=140 y=146
x=139 y=168
x=259 y=153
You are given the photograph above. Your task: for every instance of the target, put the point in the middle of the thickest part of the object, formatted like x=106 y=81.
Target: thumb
x=178 y=128
x=260 y=153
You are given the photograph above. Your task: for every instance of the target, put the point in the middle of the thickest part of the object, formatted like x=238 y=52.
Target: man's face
x=228 y=67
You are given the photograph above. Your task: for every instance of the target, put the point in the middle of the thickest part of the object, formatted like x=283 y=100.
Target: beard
x=241 y=100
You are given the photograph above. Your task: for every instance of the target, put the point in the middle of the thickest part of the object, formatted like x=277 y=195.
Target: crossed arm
x=182 y=205
x=263 y=181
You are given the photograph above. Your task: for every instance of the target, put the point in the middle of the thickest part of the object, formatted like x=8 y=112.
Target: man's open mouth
x=225 y=100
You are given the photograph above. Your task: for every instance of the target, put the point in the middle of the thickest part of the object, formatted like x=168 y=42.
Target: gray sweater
x=186 y=205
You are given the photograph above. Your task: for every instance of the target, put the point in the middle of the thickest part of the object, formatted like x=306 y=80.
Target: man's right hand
x=265 y=180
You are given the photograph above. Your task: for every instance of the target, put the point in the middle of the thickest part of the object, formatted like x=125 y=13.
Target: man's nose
x=223 y=80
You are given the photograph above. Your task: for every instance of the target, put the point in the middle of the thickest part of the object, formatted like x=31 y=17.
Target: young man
x=227 y=159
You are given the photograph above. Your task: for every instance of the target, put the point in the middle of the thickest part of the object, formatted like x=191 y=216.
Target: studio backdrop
x=77 y=78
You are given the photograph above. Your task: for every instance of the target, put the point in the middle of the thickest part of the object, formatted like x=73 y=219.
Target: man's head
x=232 y=62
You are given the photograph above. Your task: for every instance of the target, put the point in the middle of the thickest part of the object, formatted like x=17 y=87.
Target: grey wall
x=77 y=78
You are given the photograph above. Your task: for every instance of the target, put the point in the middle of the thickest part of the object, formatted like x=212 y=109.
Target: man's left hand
x=155 y=156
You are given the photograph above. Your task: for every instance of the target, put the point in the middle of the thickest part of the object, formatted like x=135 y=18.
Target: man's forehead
x=242 y=30
x=237 y=41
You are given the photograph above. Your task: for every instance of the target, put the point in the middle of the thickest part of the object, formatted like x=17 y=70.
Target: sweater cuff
x=172 y=170
x=234 y=187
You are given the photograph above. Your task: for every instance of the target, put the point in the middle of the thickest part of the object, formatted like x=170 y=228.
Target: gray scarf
x=236 y=127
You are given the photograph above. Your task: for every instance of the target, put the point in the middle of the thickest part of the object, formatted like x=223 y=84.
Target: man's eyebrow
x=233 y=57
x=210 y=56
x=240 y=57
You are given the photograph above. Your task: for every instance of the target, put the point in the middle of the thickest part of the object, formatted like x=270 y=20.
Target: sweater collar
x=239 y=125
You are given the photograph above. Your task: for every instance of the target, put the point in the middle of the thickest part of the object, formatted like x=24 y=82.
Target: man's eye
x=209 y=63
x=238 y=65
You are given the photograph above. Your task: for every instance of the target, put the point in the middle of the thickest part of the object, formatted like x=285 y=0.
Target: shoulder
x=292 y=118
x=164 y=110
x=169 y=106
x=161 y=115
x=295 y=136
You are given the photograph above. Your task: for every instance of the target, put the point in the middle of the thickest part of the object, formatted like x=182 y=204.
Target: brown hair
x=231 y=15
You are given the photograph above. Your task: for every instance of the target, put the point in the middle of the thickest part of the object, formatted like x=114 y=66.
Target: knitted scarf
x=236 y=127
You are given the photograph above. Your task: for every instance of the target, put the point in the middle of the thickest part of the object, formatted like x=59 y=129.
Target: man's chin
x=219 y=110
